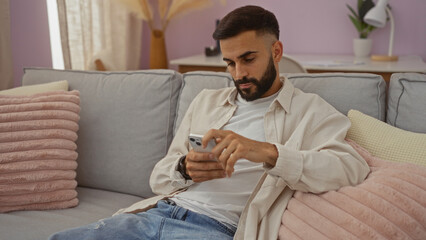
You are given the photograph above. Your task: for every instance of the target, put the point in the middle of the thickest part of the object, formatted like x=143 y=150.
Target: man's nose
x=240 y=71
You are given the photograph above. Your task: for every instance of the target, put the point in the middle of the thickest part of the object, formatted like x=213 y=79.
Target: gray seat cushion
x=407 y=102
x=126 y=123
x=345 y=91
x=39 y=225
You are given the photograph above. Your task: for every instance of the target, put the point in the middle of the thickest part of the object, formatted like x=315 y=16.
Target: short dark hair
x=245 y=19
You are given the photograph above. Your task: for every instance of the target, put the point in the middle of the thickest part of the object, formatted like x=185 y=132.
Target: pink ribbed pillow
x=38 y=151
x=389 y=204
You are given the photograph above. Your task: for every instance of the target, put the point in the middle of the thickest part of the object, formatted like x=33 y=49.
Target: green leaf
x=370 y=28
x=356 y=23
x=357 y=17
x=352 y=11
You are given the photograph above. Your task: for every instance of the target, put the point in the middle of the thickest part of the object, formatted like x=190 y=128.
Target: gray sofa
x=128 y=120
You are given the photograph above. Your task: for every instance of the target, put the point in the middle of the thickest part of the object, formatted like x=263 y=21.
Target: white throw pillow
x=385 y=141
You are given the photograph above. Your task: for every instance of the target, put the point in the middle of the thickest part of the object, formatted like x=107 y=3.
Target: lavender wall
x=29 y=36
x=308 y=26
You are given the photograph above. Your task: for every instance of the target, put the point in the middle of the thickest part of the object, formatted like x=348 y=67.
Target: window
x=55 y=36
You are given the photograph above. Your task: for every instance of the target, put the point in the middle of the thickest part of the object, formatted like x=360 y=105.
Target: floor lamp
x=377 y=17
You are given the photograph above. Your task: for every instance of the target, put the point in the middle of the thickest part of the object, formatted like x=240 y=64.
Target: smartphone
x=196 y=142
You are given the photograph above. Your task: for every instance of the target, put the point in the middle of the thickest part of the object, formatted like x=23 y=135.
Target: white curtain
x=6 y=65
x=98 y=35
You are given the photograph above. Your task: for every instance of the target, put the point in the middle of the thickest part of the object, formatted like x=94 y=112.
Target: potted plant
x=166 y=10
x=362 y=45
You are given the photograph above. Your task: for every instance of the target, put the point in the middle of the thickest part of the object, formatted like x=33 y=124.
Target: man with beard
x=271 y=139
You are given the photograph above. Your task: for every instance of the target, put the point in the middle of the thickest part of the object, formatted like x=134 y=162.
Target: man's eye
x=231 y=64
x=248 y=60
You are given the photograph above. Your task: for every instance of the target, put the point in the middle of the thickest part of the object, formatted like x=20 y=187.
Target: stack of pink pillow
x=38 y=130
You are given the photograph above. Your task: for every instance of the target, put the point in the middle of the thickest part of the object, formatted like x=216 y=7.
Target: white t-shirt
x=224 y=199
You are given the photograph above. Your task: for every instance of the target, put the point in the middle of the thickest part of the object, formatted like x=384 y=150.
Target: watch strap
x=181 y=168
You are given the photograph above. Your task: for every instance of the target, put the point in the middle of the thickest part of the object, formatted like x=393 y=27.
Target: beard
x=260 y=86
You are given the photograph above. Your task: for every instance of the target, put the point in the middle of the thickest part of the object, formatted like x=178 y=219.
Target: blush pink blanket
x=38 y=151
x=389 y=204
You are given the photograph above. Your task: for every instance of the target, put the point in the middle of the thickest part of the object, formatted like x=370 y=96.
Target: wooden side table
x=200 y=63
x=316 y=64
x=348 y=63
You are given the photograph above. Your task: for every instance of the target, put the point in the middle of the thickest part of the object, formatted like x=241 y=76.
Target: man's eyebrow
x=241 y=56
x=246 y=53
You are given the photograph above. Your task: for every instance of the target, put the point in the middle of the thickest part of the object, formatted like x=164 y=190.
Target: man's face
x=260 y=86
x=251 y=64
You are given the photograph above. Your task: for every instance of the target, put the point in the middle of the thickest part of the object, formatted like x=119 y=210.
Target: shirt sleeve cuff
x=289 y=165
x=177 y=179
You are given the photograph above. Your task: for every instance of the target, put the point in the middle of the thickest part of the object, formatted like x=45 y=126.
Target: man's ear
x=277 y=51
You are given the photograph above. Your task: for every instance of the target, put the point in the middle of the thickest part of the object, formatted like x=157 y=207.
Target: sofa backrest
x=193 y=83
x=361 y=91
x=126 y=124
x=407 y=102
x=345 y=91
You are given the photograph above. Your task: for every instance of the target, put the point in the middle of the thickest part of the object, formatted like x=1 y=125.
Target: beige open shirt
x=313 y=155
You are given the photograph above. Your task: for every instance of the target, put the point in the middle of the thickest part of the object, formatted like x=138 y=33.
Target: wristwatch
x=181 y=168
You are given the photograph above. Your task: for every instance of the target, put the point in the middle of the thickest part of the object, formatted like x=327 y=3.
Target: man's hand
x=231 y=147
x=202 y=167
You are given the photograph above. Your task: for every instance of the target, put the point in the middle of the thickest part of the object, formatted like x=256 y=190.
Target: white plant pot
x=362 y=47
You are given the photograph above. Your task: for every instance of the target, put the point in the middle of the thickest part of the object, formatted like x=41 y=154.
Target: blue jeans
x=166 y=221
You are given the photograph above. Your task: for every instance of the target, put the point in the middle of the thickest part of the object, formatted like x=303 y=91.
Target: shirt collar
x=284 y=97
x=230 y=99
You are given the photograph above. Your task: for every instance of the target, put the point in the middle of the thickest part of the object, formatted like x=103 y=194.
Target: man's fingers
x=230 y=164
x=224 y=154
x=200 y=167
x=199 y=157
x=206 y=138
x=216 y=134
x=203 y=166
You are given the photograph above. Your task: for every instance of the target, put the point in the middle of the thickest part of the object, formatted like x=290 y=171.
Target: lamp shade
x=377 y=15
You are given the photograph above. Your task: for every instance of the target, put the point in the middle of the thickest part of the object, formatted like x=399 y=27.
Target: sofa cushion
x=39 y=225
x=38 y=151
x=193 y=83
x=361 y=91
x=37 y=88
x=385 y=141
x=126 y=123
x=406 y=104
x=389 y=204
